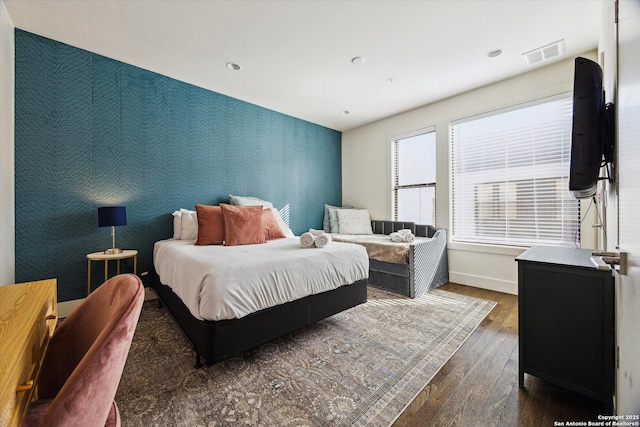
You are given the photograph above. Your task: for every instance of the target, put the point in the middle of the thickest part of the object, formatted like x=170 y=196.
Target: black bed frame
x=217 y=340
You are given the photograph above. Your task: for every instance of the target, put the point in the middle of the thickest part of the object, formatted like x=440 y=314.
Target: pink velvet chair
x=85 y=359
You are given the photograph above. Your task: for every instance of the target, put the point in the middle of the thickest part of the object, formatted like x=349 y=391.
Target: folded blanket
x=322 y=240
x=307 y=240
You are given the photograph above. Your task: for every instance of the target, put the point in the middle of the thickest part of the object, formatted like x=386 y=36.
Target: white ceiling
x=296 y=55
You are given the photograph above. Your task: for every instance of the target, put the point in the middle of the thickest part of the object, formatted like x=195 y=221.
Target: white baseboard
x=66 y=307
x=498 y=285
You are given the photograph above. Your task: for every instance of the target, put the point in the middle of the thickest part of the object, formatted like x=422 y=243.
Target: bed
x=408 y=269
x=229 y=299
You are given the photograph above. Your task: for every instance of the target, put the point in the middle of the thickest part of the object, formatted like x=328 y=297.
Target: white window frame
x=393 y=176
x=466 y=242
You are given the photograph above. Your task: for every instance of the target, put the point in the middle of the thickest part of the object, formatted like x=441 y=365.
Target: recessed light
x=345 y=112
x=233 y=66
x=390 y=80
x=494 y=53
x=358 y=60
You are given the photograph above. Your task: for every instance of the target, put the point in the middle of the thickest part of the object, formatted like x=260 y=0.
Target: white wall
x=366 y=167
x=7 y=196
x=607 y=57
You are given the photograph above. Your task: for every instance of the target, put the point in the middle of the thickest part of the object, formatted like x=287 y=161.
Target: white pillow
x=177 y=225
x=330 y=220
x=249 y=201
x=334 y=226
x=354 y=221
x=189 y=224
x=283 y=226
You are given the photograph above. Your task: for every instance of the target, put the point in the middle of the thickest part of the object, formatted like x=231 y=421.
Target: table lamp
x=111 y=216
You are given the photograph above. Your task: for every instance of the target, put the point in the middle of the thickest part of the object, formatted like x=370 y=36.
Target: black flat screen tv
x=587 y=129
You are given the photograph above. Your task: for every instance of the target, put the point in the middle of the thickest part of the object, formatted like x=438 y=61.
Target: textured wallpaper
x=91 y=131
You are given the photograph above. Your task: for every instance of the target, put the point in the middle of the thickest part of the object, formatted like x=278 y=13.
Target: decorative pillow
x=270 y=225
x=326 y=221
x=210 y=225
x=283 y=225
x=334 y=226
x=354 y=221
x=333 y=220
x=177 y=225
x=249 y=201
x=242 y=225
x=189 y=222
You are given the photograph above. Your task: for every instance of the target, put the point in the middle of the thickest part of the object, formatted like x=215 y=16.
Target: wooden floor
x=478 y=386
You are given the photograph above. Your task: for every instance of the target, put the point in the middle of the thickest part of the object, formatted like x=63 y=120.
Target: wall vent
x=544 y=53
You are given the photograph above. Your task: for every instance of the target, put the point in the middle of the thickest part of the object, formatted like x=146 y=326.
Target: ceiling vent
x=544 y=53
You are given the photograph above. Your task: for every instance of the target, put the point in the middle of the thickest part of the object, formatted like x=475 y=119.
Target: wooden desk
x=28 y=316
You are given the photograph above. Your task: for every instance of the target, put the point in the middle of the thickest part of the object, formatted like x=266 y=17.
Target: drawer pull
x=24 y=387
x=52 y=316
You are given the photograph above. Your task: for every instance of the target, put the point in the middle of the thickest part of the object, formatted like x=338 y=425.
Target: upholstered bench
x=426 y=267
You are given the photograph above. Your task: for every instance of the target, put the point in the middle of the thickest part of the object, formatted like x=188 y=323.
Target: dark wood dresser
x=566 y=321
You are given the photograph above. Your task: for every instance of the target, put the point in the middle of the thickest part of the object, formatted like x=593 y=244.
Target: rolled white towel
x=316 y=232
x=404 y=232
x=307 y=240
x=402 y=237
x=395 y=237
x=322 y=240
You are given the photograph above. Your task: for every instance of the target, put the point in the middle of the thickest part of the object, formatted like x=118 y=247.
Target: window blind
x=509 y=177
x=414 y=177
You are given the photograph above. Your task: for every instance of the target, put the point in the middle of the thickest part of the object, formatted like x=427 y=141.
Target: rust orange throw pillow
x=242 y=225
x=210 y=225
x=271 y=228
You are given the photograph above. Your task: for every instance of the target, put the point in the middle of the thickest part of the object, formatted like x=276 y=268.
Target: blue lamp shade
x=112 y=216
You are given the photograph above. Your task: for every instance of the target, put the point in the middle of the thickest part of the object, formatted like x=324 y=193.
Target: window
x=509 y=177
x=414 y=178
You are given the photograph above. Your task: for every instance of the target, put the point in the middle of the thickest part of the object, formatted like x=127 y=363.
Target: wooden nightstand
x=101 y=256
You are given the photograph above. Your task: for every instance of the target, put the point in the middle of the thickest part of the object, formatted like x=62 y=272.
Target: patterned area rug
x=359 y=367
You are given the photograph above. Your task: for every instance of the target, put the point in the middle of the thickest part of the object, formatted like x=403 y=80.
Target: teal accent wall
x=92 y=131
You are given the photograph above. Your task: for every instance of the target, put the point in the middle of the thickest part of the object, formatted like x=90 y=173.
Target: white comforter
x=227 y=282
